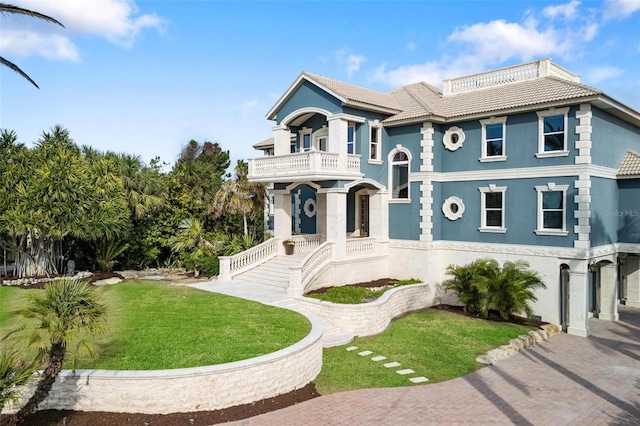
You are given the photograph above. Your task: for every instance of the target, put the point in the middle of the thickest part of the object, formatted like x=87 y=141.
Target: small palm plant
x=513 y=289
x=67 y=313
x=470 y=283
x=14 y=374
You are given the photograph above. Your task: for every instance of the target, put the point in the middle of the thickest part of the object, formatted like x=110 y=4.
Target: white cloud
x=353 y=63
x=599 y=74
x=620 y=9
x=28 y=43
x=567 y=10
x=117 y=21
x=248 y=106
x=590 y=31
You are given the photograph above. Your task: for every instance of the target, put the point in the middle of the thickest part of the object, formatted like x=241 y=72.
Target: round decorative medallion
x=310 y=207
x=453 y=208
x=453 y=138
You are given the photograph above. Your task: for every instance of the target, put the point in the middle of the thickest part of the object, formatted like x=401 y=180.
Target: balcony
x=311 y=165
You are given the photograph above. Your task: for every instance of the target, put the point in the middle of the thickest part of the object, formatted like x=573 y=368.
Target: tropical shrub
x=484 y=285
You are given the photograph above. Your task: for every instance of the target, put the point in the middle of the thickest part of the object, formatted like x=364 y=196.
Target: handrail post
x=225 y=268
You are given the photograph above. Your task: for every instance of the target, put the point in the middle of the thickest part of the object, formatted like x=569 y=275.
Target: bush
x=483 y=285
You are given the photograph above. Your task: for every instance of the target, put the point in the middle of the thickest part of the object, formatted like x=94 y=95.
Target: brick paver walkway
x=565 y=380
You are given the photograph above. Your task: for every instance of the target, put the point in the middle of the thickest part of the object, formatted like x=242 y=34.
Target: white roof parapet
x=514 y=74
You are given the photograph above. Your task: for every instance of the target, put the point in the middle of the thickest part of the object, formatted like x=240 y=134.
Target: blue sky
x=145 y=77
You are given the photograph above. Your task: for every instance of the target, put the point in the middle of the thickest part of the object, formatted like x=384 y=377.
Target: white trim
x=426 y=186
x=552 y=112
x=484 y=190
x=322 y=132
x=375 y=125
x=293 y=185
x=295 y=114
x=310 y=207
x=399 y=148
x=448 y=211
x=551 y=187
x=369 y=181
x=295 y=86
x=301 y=134
x=519 y=173
x=346 y=117
x=483 y=146
x=448 y=136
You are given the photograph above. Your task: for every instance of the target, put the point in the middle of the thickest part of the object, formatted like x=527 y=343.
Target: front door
x=363 y=226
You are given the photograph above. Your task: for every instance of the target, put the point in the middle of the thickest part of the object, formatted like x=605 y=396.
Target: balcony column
x=338 y=128
x=281 y=140
x=336 y=220
x=282 y=214
x=609 y=292
x=379 y=215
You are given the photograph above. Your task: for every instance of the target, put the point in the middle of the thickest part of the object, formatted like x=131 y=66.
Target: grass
x=157 y=326
x=354 y=295
x=435 y=344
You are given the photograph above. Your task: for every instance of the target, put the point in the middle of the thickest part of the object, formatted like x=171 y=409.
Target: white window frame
x=488 y=122
x=483 y=209
x=352 y=143
x=375 y=126
x=305 y=131
x=552 y=187
x=448 y=209
x=317 y=135
x=541 y=133
x=397 y=149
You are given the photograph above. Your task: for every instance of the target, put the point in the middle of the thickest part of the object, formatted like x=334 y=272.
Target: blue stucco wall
x=521 y=145
x=308 y=95
x=521 y=204
x=629 y=211
x=604 y=207
x=404 y=218
x=611 y=138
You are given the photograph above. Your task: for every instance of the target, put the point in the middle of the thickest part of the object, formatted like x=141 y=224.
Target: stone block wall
x=372 y=318
x=190 y=389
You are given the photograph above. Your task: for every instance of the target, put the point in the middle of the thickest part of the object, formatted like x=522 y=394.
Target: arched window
x=399 y=162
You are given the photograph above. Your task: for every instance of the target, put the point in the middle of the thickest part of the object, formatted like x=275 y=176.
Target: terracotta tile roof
x=355 y=93
x=423 y=100
x=630 y=165
x=267 y=143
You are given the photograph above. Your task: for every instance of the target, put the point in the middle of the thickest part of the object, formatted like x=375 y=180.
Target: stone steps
x=274 y=272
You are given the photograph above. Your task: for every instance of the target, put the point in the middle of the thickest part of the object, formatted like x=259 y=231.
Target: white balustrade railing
x=238 y=263
x=492 y=78
x=361 y=247
x=303 y=163
x=307 y=240
x=300 y=276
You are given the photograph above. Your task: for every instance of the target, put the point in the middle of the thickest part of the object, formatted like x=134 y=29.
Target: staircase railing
x=241 y=262
x=302 y=275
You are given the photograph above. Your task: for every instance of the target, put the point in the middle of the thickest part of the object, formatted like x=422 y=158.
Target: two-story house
x=523 y=162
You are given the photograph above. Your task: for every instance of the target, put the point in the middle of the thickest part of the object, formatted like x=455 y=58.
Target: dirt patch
x=100 y=418
x=493 y=316
x=383 y=282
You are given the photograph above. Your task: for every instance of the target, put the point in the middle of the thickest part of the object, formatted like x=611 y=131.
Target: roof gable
x=629 y=166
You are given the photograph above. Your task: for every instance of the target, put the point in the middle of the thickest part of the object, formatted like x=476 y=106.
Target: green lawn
x=435 y=344
x=157 y=326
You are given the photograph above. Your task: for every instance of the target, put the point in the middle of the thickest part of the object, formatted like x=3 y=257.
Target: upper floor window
x=305 y=140
x=351 y=138
x=399 y=167
x=320 y=139
x=492 y=202
x=552 y=209
x=493 y=139
x=375 y=141
x=552 y=132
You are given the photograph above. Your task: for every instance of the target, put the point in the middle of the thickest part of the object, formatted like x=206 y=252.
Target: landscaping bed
x=363 y=292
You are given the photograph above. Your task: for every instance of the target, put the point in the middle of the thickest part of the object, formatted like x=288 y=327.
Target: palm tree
x=239 y=195
x=8 y=9
x=68 y=313
x=513 y=289
x=470 y=283
x=14 y=374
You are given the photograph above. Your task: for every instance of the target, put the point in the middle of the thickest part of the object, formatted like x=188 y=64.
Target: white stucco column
x=281 y=140
x=337 y=142
x=282 y=214
x=321 y=214
x=578 y=304
x=608 y=292
x=336 y=220
x=631 y=277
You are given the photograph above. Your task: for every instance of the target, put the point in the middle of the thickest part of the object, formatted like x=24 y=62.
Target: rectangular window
x=373 y=148
x=492 y=204
x=552 y=129
x=351 y=138
x=493 y=139
x=306 y=142
x=552 y=209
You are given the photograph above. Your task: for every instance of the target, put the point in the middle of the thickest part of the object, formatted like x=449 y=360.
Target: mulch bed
x=383 y=282
x=493 y=316
x=97 y=276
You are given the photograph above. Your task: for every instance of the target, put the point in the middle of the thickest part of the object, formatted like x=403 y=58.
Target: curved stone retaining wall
x=372 y=318
x=191 y=389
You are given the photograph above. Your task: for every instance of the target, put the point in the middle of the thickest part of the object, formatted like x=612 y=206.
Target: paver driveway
x=565 y=380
